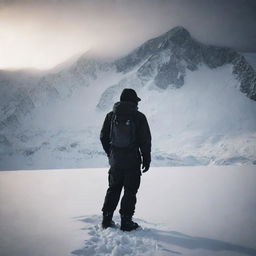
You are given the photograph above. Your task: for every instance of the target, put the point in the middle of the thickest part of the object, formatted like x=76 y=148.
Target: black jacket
x=120 y=157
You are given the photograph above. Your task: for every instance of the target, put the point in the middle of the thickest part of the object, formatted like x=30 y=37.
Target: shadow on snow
x=146 y=241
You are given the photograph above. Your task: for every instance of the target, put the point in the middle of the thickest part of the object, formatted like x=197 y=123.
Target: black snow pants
x=120 y=178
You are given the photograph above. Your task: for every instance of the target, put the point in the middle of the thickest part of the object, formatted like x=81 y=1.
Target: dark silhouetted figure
x=126 y=139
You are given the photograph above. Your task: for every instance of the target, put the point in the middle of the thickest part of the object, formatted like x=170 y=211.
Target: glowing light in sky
x=44 y=33
x=23 y=46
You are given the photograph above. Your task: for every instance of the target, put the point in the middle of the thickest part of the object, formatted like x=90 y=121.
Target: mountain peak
x=175 y=37
x=177 y=34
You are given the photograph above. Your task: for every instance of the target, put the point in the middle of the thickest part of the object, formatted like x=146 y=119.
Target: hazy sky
x=43 y=33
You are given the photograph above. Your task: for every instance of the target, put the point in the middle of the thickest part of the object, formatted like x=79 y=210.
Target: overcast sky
x=43 y=33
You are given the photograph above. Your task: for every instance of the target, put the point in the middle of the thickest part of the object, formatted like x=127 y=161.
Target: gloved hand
x=145 y=165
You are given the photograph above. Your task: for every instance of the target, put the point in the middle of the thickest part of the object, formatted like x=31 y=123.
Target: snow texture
x=113 y=241
x=192 y=211
x=152 y=240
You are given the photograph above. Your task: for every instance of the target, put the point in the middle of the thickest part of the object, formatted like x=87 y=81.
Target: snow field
x=194 y=211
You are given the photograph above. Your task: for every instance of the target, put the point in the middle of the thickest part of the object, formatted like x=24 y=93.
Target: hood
x=125 y=107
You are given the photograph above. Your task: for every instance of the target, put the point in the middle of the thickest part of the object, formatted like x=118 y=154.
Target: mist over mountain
x=200 y=101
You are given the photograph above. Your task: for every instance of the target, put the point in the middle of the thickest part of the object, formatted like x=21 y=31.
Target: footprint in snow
x=114 y=242
x=151 y=240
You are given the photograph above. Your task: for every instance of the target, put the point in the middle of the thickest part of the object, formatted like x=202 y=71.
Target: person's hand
x=145 y=166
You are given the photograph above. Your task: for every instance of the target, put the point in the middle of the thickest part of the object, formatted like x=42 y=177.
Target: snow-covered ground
x=191 y=211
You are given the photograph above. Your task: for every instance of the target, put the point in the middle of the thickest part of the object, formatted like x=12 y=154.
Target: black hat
x=129 y=95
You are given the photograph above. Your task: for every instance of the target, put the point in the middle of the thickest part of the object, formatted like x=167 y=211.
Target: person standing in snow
x=126 y=139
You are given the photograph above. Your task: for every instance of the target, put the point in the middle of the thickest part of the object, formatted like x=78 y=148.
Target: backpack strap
x=111 y=127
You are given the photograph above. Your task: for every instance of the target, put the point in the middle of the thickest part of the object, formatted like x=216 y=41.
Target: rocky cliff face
x=244 y=72
x=166 y=58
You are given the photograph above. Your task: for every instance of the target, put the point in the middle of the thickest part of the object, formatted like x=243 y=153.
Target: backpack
x=122 y=131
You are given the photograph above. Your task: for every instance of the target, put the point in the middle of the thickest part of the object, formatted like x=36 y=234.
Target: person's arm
x=145 y=143
x=104 y=134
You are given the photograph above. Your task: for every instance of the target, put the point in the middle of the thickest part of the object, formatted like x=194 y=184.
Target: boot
x=127 y=224
x=107 y=220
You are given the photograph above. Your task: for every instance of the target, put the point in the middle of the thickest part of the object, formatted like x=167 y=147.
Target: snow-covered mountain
x=199 y=100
